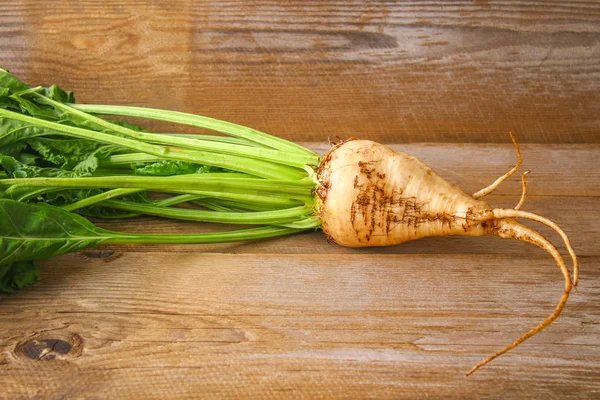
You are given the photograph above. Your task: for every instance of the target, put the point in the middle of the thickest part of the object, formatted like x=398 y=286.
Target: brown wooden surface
x=397 y=72
x=297 y=317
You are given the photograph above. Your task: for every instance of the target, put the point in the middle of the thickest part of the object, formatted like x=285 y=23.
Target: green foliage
x=38 y=232
x=170 y=167
x=70 y=154
x=10 y=83
x=18 y=275
x=53 y=155
x=13 y=149
x=27 y=169
x=165 y=168
x=13 y=132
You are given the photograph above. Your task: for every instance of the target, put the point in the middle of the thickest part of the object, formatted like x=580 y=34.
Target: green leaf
x=18 y=275
x=78 y=155
x=105 y=213
x=18 y=169
x=56 y=93
x=7 y=80
x=35 y=232
x=5 y=100
x=37 y=110
x=25 y=193
x=13 y=131
x=127 y=125
x=166 y=168
x=170 y=167
x=25 y=273
x=63 y=197
x=89 y=164
x=57 y=151
x=59 y=197
x=11 y=95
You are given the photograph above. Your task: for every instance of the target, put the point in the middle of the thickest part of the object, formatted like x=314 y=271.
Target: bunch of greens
x=60 y=161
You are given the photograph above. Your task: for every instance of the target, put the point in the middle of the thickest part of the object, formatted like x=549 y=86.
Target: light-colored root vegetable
x=371 y=195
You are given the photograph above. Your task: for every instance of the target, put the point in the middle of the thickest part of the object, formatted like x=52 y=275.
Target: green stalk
x=272 y=200
x=30 y=194
x=224 y=205
x=199 y=122
x=112 y=170
x=201 y=238
x=215 y=206
x=129 y=158
x=254 y=167
x=214 y=138
x=289 y=158
x=110 y=194
x=274 y=217
x=312 y=222
x=211 y=182
x=174 y=200
x=263 y=202
x=183 y=198
x=120 y=192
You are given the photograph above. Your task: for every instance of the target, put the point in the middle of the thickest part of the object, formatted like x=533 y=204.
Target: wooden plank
x=231 y=326
x=297 y=317
x=395 y=72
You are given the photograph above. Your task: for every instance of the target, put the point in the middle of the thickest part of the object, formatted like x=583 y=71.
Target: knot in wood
x=48 y=349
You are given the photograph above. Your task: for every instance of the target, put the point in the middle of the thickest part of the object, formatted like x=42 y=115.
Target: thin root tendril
x=509 y=228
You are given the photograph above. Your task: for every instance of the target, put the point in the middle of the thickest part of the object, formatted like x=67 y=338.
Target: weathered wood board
x=298 y=317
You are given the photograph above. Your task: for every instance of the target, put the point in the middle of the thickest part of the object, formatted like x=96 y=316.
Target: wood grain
x=298 y=317
x=231 y=326
x=396 y=72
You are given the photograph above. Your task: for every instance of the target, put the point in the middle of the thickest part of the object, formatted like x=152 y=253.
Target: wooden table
x=298 y=317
